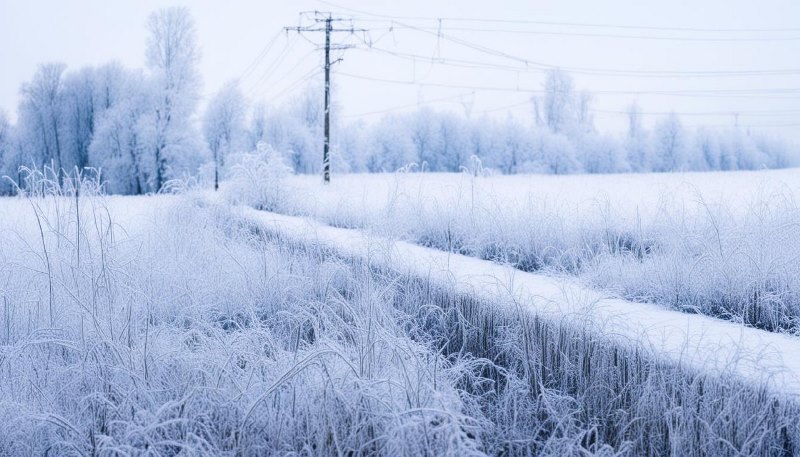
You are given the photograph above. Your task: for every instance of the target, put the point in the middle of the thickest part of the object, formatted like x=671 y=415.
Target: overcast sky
x=661 y=54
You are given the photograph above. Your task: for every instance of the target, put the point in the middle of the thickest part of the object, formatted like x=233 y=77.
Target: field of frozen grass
x=161 y=326
x=722 y=244
x=164 y=325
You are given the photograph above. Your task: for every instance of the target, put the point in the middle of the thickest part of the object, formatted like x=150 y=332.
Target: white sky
x=233 y=33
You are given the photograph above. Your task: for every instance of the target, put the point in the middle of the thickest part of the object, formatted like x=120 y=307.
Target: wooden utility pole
x=328 y=19
x=326 y=158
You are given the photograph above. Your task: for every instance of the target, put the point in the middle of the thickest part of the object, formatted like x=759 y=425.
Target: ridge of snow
x=704 y=343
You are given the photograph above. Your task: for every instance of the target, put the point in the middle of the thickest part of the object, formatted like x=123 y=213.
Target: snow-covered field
x=723 y=244
x=182 y=324
x=571 y=194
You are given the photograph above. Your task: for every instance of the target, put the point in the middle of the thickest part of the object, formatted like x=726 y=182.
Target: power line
x=767 y=113
x=778 y=113
x=564 y=24
x=461 y=63
x=308 y=75
x=524 y=65
x=528 y=63
x=605 y=35
x=270 y=70
x=748 y=126
x=410 y=105
x=300 y=62
x=698 y=93
x=260 y=56
x=504 y=107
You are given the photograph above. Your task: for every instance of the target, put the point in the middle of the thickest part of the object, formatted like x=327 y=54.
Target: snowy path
x=691 y=339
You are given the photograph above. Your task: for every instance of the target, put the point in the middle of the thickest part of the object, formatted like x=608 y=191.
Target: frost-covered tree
x=281 y=129
x=707 y=149
x=510 y=146
x=481 y=139
x=351 y=147
x=111 y=86
x=121 y=147
x=670 y=152
x=293 y=128
x=41 y=117
x=748 y=155
x=558 y=108
x=5 y=152
x=421 y=127
x=454 y=140
x=637 y=145
x=390 y=147
x=566 y=125
x=172 y=57
x=601 y=154
x=5 y=135
x=257 y=129
x=635 y=127
x=304 y=125
x=79 y=116
x=555 y=154
x=779 y=154
x=584 y=121
x=224 y=125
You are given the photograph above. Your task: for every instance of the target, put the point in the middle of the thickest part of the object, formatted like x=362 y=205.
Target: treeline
x=559 y=138
x=441 y=141
x=138 y=129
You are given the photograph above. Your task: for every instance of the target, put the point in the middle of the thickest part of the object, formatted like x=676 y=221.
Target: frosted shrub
x=182 y=185
x=259 y=178
x=475 y=167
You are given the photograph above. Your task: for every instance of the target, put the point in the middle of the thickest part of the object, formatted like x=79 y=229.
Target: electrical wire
x=300 y=62
x=472 y=64
x=270 y=70
x=605 y=35
x=260 y=56
x=767 y=113
x=307 y=76
x=563 y=24
x=410 y=105
x=697 y=93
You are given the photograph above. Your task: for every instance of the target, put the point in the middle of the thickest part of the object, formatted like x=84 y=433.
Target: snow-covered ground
x=722 y=244
x=631 y=195
x=181 y=324
x=185 y=324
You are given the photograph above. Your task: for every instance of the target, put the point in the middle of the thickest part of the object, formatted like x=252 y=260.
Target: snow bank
x=691 y=340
